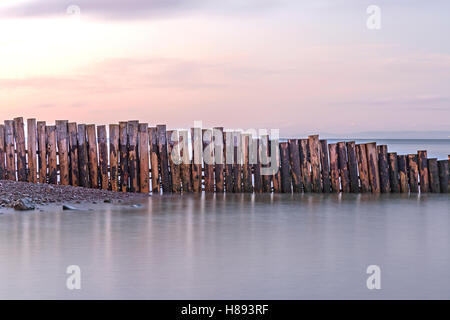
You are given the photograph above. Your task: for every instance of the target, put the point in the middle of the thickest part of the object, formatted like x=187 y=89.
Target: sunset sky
x=301 y=66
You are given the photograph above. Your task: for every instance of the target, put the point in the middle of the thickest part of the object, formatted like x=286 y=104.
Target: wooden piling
x=313 y=144
x=51 y=152
x=423 y=171
x=63 y=151
x=92 y=155
x=285 y=168
x=275 y=156
x=294 y=156
x=343 y=167
x=103 y=156
x=19 y=136
x=372 y=161
x=334 y=167
x=325 y=166
x=185 y=161
x=208 y=160
x=413 y=173
x=83 y=157
x=2 y=153
x=403 y=173
x=144 y=162
x=246 y=168
x=383 y=167
x=265 y=163
x=73 y=152
x=229 y=160
x=433 y=174
x=257 y=177
x=174 y=160
x=163 y=158
x=305 y=165
x=363 y=167
x=219 y=159
x=443 y=176
x=393 y=172
x=42 y=151
x=132 y=132
x=352 y=167
x=123 y=149
x=114 y=137
x=237 y=166
x=154 y=160
x=197 y=159
x=31 y=146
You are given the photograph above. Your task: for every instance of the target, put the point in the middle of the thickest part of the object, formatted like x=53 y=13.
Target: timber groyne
x=134 y=157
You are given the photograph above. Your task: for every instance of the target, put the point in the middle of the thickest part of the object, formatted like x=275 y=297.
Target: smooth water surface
x=232 y=247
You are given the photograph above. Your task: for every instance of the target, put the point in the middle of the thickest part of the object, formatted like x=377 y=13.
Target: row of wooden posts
x=137 y=158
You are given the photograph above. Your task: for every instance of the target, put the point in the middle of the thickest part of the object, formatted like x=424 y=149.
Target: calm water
x=233 y=246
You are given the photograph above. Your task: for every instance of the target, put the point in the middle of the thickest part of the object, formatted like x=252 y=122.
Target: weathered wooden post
x=325 y=165
x=352 y=166
x=363 y=167
x=92 y=155
x=51 y=152
x=74 y=177
x=413 y=173
x=383 y=165
x=123 y=148
x=114 y=137
x=83 y=157
x=393 y=172
x=433 y=175
x=423 y=171
x=374 y=173
x=19 y=136
x=343 y=167
x=31 y=145
x=144 y=163
x=294 y=156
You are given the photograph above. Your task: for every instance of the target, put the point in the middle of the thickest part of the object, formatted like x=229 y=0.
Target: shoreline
x=29 y=196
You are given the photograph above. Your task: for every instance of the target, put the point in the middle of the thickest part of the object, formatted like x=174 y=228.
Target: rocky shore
x=27 y=196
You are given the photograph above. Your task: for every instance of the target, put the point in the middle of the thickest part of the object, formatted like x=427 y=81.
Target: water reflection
x=232 y=246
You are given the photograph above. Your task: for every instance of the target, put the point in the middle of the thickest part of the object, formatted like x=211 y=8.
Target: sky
x=303 y=67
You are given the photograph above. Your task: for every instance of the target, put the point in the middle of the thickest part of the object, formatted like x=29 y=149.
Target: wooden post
x=19 y=135
x=237 y=166
x=352 y=167
x=305 y=165
x=2 y=153
x=393 y=172
x=294 y=156
x=164 y=161
x=413 y=173
x=257 y=177
x=83 y=158
x=229 y=159
x=313 y=144
x=92 y=154
x=325 y=165
x=197 y=160
x=10 y=151
x=132 y=131
x=208 y=160
x=123 y=148
x=185 y=161
x=343 y=167
x=63 y=154
x=174 y=160
x=423 y=171
x=103 y=156
x=403 y=173
x=285 y=168
x=154 y=159
x=144 y=162
x=443 y=176
x=334 y=167
x=114 y=135
x=383 y=166
x=275 y=156
x=246 y=168
x=219 y=159
x=42 y=151
x=363 y=167
x=265 y=162
x=433 y=172
x=51 y=152
x=73 y=151
x=31 y=145
x=372 y=160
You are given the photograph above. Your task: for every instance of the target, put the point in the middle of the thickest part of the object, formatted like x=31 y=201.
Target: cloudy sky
x=301 y=66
